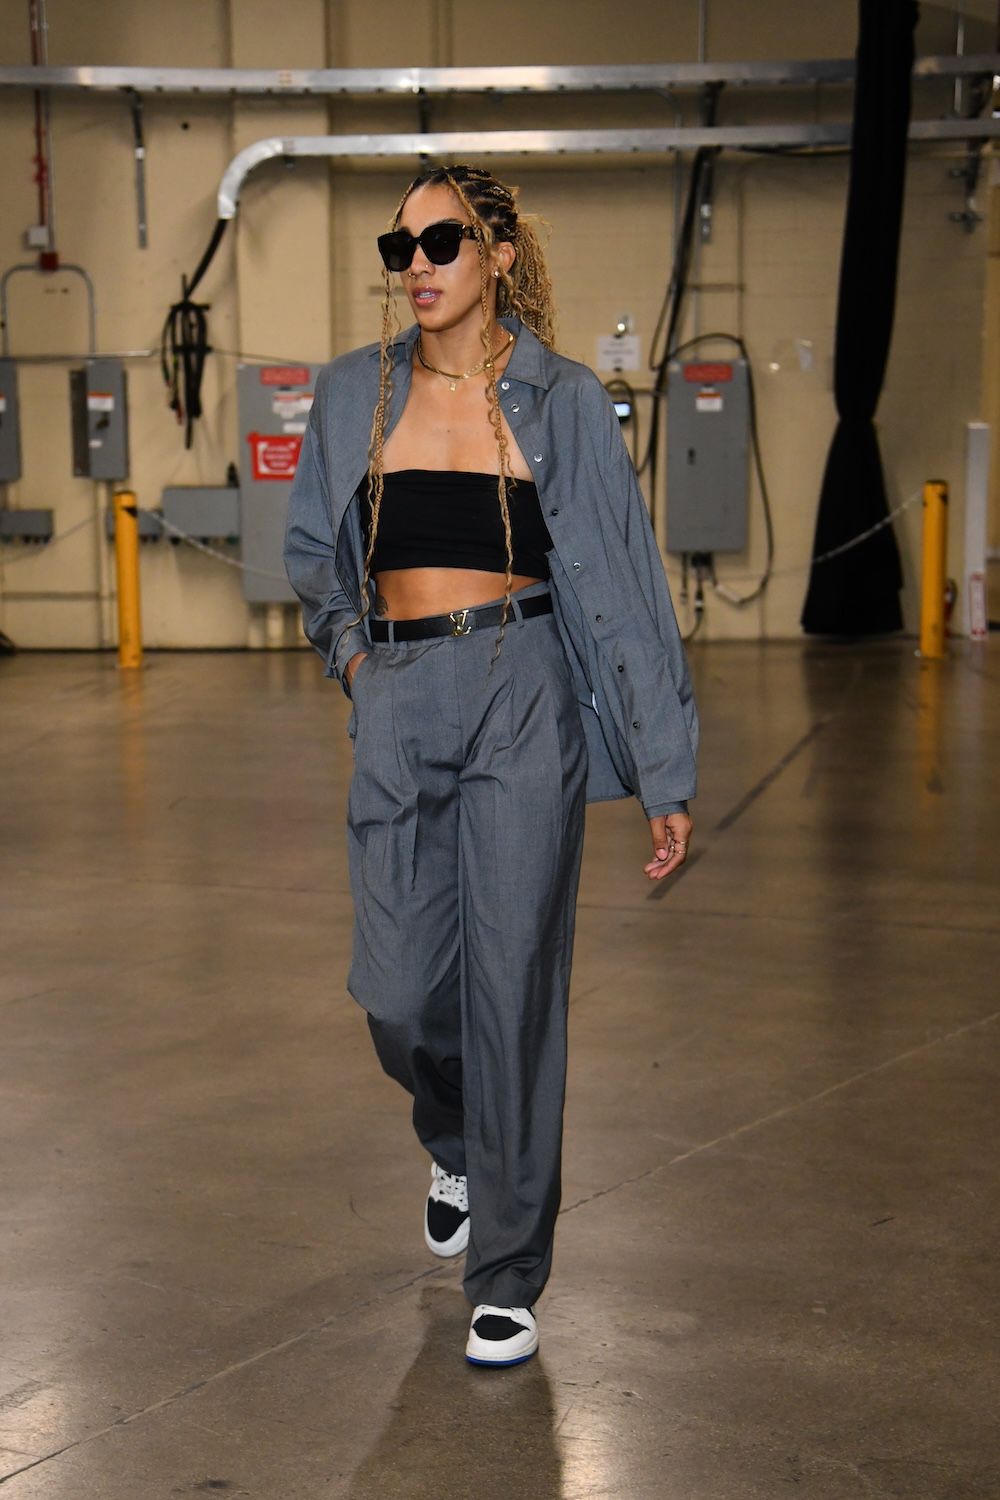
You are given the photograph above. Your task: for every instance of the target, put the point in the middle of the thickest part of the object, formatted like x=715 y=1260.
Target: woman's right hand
x=352 y=666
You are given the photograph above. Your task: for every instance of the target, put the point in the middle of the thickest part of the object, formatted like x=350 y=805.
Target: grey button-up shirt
x=612 y=603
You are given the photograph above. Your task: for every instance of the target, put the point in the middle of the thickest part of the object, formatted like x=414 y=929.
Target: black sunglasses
x=439 y=242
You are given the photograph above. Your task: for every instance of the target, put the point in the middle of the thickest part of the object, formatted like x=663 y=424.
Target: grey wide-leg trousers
x=465 y=834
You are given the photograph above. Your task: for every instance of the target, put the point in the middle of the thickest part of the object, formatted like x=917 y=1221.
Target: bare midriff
x=444 y=428
x=410 y=593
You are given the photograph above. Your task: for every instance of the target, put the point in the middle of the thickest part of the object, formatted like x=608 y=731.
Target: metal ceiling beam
x=456 y=145
x=514 y=80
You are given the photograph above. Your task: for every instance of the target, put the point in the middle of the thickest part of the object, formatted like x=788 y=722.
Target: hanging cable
x=673 y=301
x=699 y=184
x=184 y=349
x=619 y=388
x=184 y=345
x=699 y=606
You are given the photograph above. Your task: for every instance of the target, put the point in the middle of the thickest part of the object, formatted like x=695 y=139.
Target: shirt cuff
x=663 y=809
x=351 y=642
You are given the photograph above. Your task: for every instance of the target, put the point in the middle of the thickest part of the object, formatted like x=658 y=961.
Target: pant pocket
x=362 y=672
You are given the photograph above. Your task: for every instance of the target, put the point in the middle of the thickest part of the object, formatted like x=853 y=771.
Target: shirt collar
x=527 y=362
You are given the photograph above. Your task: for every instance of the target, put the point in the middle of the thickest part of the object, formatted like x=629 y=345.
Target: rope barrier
x=804 y=568
x=199 y=546
x=864 y=535
x=37 y=550
x=234 y=562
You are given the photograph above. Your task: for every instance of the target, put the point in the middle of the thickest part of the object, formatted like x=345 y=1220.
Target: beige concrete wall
x=299 y=277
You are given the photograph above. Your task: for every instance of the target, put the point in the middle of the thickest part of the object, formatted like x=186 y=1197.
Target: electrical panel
x=100 y=420
x=208 y=512
x=33 y=526
x=10 y=436
x=708 y=450
x=274 y=402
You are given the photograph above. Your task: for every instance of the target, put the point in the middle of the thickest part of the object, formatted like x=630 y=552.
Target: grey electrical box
x=274 y=402
x=100 y=420
x=26 y=525
x=208 y=512
x=10 y=424
x=708 y=432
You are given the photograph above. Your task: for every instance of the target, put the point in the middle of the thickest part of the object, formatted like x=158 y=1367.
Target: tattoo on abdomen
x=381 y=604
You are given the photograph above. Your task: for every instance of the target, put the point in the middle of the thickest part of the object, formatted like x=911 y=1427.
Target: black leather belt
x=459 y=621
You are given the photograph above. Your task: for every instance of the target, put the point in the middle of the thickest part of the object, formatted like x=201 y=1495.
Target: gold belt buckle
x=458 y=618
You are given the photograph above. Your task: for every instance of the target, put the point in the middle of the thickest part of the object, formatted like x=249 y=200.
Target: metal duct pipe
x=458 y=145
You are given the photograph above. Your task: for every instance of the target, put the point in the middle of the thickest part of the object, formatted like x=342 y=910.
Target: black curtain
x=858 y=593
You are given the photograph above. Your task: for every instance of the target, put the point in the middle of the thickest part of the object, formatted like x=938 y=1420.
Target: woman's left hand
x=671 y=837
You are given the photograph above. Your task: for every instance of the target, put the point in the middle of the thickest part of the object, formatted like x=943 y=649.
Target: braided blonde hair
x=525 y=291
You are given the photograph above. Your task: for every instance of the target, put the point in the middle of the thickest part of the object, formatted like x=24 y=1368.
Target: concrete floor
x=775 y=1270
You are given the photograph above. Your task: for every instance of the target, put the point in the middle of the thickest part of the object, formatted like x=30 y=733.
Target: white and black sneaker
x=501 y=1336
x=446 y=1218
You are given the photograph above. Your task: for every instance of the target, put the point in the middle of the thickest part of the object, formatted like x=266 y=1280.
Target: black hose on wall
x=184 y=345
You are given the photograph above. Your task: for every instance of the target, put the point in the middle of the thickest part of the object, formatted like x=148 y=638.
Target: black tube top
x=448 y=518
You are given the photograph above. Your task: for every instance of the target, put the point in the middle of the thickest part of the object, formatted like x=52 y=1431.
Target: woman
x=477 y=568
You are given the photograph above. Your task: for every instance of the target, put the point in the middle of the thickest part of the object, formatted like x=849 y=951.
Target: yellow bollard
x=127 y=568
x=935 y=565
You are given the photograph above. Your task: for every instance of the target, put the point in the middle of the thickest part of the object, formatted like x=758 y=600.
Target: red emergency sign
x=708 y=374
x=284 y=375
x=274 y=456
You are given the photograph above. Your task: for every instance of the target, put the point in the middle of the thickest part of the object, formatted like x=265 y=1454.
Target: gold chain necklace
x=468 y=374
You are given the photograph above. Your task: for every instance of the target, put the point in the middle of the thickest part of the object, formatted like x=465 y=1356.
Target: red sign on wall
x=284 y=375
x=273 y=456
x=708 y=374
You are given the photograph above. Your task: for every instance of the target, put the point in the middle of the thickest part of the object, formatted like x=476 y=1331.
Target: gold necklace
x=468 y=374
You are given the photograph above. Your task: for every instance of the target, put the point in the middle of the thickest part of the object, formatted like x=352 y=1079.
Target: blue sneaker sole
x=500 y=1364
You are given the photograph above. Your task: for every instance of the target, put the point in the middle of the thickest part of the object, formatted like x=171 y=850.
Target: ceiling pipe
x=456 y=145
x=620 y=78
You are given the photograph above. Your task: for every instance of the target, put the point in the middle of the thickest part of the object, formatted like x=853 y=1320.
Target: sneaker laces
x=449 y=1188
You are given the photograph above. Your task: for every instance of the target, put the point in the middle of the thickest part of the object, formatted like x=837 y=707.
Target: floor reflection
x=460 y=1431
x=133 y=767
x=931 y=682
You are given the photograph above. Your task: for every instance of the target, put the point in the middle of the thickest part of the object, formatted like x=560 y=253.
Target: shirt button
x=577 y=567
x=538 y=458
x=505 y=385
x=515 y=407
x=598 y=618
x=621 y=666
x=635 y=723
x=554 y=511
